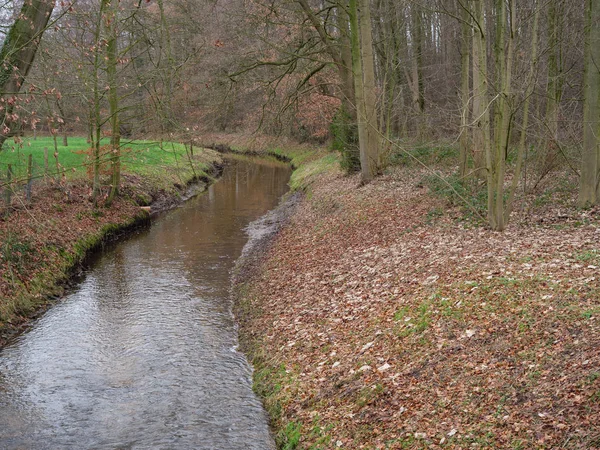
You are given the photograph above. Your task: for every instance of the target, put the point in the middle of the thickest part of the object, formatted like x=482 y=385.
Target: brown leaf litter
x=396 y=329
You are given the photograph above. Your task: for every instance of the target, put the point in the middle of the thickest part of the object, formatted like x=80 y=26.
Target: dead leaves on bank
x=402 y=332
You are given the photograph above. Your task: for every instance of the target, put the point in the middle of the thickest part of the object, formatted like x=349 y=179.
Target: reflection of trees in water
x=202 y=239
x=116 y=275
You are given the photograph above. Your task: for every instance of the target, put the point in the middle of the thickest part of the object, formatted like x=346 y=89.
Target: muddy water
x=142 y=354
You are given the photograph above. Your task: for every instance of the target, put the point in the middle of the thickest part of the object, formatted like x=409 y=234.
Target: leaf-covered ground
x=377 y=322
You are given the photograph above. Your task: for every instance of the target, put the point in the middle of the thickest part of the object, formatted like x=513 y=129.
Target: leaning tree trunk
x=18 y=53
x=339 y=53
x=590 y=162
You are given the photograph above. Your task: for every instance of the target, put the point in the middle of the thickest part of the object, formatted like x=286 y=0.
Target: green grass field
x=139 y=157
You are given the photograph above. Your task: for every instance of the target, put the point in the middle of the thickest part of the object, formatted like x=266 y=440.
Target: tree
x=589 y=188
x=481 y=114
x=17 y=55
x=415 y=78
x=465 y=91
x=363 y=69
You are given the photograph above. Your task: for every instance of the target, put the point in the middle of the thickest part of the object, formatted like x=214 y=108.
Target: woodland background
x=509 y=88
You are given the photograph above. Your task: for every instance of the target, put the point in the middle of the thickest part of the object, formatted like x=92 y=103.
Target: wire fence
x=26 y=169
x=18 y=178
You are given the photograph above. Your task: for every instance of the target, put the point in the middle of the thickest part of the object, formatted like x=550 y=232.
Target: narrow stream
x=142 y=355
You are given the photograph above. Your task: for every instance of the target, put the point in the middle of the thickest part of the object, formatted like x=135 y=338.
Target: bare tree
x=589 y=189
x=17 y=55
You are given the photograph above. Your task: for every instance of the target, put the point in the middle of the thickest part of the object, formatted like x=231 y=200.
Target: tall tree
x=363 y=67
x=465 y=91
x=504 y=54
x=589 y=187
x=530 y=85
x=416 y=81
x=481 y=113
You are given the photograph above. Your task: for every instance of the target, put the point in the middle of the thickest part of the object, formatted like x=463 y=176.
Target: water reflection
x=142 y=354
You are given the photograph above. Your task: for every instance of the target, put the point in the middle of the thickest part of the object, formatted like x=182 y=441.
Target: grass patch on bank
x=305 y=174
x=140 y=157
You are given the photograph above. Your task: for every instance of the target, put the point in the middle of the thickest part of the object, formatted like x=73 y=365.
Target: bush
x=428 y=155
x=345 y=140
x=455 y=191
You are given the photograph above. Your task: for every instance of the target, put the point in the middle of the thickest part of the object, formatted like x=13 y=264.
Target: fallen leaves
x=430 y=334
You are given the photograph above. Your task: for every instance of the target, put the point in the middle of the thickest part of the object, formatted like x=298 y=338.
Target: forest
x=434 y=285
x=509 y=86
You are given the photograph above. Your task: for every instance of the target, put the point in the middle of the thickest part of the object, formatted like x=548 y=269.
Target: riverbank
x=45 y=241
x=379 y=318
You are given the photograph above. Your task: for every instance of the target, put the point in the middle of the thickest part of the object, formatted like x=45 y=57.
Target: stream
x=142 y=353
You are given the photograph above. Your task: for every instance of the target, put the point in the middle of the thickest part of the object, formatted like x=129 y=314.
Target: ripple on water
x=142 y=354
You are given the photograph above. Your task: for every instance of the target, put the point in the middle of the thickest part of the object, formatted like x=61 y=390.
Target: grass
x=303 y=176
x=588 y=256
x=428 y=154
x=147 y=158
x=413 y=321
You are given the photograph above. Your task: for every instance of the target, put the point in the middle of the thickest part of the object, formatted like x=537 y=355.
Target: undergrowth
x=470 y=197
x=428 y=154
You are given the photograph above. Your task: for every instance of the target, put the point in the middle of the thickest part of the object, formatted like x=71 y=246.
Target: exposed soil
x=374 y=321
x=44 y=242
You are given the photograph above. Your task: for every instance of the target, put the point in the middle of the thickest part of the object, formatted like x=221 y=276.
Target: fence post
x=7 y=189
x=45 y=161
x=29 y=177
x=57 y=165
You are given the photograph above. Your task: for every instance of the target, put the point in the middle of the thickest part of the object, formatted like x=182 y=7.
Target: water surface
x=142 y=354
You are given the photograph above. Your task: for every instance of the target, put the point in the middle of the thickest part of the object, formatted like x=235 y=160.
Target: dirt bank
x=45 y=242
x=376 y=321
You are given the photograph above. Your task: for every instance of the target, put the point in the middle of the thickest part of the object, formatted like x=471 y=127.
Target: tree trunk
x=18 y=53
x=590 y=163
x=503 y=117
x=373 y=153
x=168 y=74
x=418 y=85
x=364 y=88
x=525 y=121
x=95 y=106
x=465 y=92
x=350 y=152
x=341 y=54
x=554 y=89
x=481 y=115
